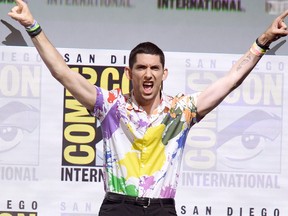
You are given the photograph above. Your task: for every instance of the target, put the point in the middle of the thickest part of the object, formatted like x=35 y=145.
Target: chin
x=149 y=97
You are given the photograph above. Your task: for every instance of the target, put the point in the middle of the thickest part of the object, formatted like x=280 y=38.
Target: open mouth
x=148 y=86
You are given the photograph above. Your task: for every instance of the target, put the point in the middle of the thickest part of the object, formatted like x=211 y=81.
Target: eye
x=10 y=137
x=16 y=121
x=249 y=142
x=140 y=67
x=155 y=68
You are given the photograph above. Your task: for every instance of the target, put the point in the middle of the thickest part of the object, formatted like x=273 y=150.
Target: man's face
x=147 y=75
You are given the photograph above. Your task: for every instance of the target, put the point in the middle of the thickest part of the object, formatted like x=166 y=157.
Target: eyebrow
x=138 y=65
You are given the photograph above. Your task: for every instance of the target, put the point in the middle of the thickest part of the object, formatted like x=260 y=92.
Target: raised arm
x=76 y=84
x=215 y=93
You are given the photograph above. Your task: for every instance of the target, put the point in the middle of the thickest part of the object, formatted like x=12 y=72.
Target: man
x=144 y=132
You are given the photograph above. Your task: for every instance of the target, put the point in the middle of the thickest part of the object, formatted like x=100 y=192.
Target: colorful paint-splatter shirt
x=142 y=153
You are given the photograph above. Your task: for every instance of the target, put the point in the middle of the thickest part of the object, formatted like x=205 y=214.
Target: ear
x=165 y=74
x=128 y=73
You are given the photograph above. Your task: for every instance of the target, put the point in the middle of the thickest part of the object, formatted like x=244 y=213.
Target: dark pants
x=130 y=207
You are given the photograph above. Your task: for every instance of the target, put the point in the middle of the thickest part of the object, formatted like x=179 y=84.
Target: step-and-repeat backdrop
x=235 y=161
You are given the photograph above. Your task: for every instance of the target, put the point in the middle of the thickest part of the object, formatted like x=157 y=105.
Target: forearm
x=242 y=68
x=216 y=93
x=50 y=55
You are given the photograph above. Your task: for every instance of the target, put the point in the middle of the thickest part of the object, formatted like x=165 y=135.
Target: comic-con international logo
x=19 y=115
x=239 y=143
x=82 y=156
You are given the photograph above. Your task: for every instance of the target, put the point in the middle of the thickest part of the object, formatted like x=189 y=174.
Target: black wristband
x=265 y=47
x=35 y=32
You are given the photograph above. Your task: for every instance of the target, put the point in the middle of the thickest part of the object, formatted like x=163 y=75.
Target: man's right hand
x=21 y=13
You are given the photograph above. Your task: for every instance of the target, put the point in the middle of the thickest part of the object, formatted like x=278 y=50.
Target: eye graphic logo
x=18 y=123
x=249 y=141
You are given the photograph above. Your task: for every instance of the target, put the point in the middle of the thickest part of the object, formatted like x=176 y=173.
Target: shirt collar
x=163 y=106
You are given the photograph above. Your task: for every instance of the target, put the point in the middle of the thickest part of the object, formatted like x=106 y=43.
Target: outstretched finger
x=282 y=25
x=283 y=15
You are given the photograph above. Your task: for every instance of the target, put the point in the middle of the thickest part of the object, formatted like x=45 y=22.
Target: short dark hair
x=146 y=48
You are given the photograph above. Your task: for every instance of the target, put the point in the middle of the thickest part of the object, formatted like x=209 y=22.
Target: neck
x=149 y=108
x=150 y=105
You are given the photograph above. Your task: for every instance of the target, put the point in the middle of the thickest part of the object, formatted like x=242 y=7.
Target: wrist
x=263 y=42
x=34 y=29
x=31 y=26
x=29 y=22
x=257 y=50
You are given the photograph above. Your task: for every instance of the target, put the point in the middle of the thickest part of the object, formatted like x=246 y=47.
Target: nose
x=148 y=73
